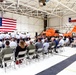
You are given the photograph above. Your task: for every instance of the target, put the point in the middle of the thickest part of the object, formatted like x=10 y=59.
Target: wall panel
x=26 y=24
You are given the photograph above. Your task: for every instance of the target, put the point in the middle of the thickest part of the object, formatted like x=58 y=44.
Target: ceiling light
x=1 y=0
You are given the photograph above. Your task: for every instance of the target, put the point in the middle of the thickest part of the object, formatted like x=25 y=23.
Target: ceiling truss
x=32 y=8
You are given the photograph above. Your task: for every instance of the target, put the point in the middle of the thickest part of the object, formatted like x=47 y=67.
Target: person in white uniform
x=13 y=43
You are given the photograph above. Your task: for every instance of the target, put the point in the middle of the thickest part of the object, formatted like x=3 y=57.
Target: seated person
x=45 y=47
x=67 y=41
x=13 y=44
x=19 y=48
x=31 y=47
x=39 y=47
x=52 y=44
x=0 y=44
x=73 y=44
x=1 y=60
x=38 y=44
x=61 y=41
x=3 y=43
x=6 y=50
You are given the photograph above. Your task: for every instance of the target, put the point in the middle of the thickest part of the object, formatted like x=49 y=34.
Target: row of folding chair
x=32 y=54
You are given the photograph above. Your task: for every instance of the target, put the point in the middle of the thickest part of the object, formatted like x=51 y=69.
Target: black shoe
x=1 y=66
x=5 y=65
x=37 y=56
x=45 y=53
x=56 y=51
x=27 y=58
x=33 y=57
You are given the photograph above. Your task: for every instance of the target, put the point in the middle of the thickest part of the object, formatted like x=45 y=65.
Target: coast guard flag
x=7 y=25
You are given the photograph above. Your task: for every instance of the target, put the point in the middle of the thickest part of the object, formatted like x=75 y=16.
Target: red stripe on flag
x=9 y=19
x=3 y=21
x=8 y=28
x=8 y=25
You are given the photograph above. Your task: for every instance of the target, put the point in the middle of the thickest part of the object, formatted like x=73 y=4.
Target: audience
x=23 y=42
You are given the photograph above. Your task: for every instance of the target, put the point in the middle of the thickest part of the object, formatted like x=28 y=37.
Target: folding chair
x=39 y=52
x=8 y=58
x=22 y=57
x=31 y=54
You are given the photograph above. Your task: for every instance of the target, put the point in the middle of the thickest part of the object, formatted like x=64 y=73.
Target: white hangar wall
x=26 y=24
x=55 y=22
x=68 y=26
x=62 y=23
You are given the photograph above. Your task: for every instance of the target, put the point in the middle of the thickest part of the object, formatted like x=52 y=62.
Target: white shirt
x=28 y=42
x=0 y=44
x=18 y=36
x=7 y=36
x=13 y=35
x=46 y=46
x=43 y=40
x=0 y=36
x=13 y=44
x=67 y=40
x=23 y=36
x=3 y=35
x=61 y=42
x=27 y=35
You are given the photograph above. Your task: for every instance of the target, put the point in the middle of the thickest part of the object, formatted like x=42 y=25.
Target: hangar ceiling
x=34 y=8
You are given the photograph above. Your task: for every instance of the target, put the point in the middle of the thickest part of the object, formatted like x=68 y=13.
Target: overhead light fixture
x=1 y=0
x=43 y=2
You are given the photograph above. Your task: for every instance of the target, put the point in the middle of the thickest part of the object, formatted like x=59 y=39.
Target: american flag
x=7 y=24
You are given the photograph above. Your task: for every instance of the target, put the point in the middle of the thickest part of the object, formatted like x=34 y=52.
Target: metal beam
x=64 y=5
x=37 y=9
x=1 y=6
x=9 y=6
x=55 y=8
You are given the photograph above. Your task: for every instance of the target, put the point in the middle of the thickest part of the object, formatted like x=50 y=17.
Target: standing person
x=27 y=35
x=18 y=38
